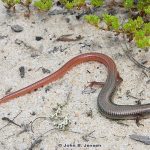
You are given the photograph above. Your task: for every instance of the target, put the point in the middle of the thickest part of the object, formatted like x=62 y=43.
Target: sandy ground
x=81 y=108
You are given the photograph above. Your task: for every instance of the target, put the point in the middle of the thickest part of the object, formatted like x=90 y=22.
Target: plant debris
x=65 y=38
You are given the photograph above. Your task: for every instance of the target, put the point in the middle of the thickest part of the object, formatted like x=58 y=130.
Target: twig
x=128 y=54
x=35 y=120
x=12 y=120
x=121 y=123
x=25 y=128
x=145 y=73
x=129 y=95
x=35 y=143
x=89 y=134
x=47 y=132
x=64 y=38
x=39 y=140
x=9 y=136
x=85 y=137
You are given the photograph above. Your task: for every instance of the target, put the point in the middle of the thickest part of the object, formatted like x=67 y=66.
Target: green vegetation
x=139 y=30
x=11 y=3
x=111 y=21
x=142 y=5
x=136 y=27
x=70 y=4
x=133 y=25
x=79 y=3
x=128 y=3
x=92 y=19
x=43 y=5
x=97 y=3
x=142 y=36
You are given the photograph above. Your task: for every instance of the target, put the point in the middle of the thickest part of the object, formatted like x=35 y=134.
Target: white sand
x=109 y=134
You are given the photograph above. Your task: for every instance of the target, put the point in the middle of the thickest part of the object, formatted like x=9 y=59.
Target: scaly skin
x=106 y=106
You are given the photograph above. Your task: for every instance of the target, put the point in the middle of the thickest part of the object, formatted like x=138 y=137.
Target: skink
x=105 y=104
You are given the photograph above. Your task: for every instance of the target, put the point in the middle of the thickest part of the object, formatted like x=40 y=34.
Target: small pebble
x=58 y=3
x=33 y=113
x=148 y=81
x=8 y=91
x=33 y=55
x=17 y=41
x=3 y=36
x=22 y=71
x=17 y=28
x=144 y=62
x=46 y=70
x=67 y=20
x=47 y=89
x=38 y=38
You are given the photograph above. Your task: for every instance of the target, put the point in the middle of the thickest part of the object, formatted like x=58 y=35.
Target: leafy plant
x=92 y=19
x=27 y=3
x=111 y=21
x=10 y=3
x=135 y=30
x=128 y=3
x=146 y=28
x=97 y=3
x=142 y=36
x=141 y=5
x=69 y=5
x=79 y=3
x=147 y=10
x=133 y=25
x=141 y=39
x=63 y=1
x=43 y=5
